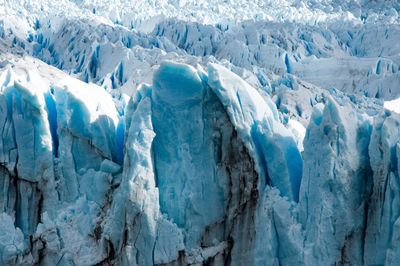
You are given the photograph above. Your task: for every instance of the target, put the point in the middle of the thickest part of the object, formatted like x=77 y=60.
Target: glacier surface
x=199 y=133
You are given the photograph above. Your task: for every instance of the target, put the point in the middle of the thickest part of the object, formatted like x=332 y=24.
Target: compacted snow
x=199 y=132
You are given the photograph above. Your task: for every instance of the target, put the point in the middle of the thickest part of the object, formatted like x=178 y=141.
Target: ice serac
x=25 y=119
x=57 y=152
x=26 y=169
x=336 y=185
x=256 y=119
x=382 y=234
x=85 y=171
x=136 y=228
x=87 y=124
x=278 y=238
x=184 y=162
x=204 y=173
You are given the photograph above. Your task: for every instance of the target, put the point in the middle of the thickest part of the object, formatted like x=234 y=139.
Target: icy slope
x=144 y=15
x=350 y=58
x=357 y=58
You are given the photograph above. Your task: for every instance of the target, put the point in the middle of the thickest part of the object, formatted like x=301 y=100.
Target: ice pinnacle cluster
x=134 y=138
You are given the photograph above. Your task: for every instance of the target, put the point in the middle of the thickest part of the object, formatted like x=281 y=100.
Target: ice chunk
x=26 y=160
x=279 y=238
x=26 y=129
x=12 y=246
x=393 y=105
x=87 y=127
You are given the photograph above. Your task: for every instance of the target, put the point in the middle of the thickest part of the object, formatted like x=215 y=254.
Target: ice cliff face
x=199 y=181
x=129 y=137
x=226 y=184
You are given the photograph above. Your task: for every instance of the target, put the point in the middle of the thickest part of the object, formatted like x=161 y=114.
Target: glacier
x=198 y=133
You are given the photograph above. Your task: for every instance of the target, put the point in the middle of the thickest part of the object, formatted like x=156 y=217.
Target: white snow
x=393 y=105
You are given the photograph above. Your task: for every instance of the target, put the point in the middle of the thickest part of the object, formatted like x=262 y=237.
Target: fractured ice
x=157 y=141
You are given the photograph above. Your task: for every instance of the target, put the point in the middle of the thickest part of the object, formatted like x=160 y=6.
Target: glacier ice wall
x=204 y=173
x=207 y=174
x=165 y=138
x=336 y=187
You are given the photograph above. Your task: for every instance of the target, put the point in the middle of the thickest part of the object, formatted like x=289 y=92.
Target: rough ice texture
x=336 y=187
x=251 y=143
x=209 y=174
x=256 y=119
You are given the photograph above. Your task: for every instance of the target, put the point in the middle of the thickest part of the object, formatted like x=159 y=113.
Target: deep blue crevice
x=261 y=157
x=288 y=65
x=39 y=38
x=30 y=37
x=295 y=168
x=37 y=24
x=86 y=77
x=378 y=69
x=52 y=118
x=120 y=73
x=119 y=141
x=79 y=68
x=113 y=84
x=127 y=41
x=9 y=106
x=94 y=62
